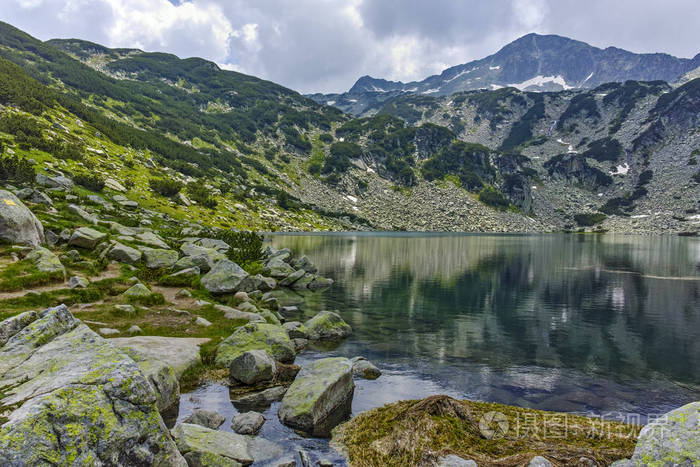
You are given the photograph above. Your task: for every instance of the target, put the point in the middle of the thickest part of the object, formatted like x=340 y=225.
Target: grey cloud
x=325 y=45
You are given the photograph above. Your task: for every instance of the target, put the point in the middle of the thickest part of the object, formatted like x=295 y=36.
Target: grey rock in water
x=327 y=325
x=224 y=277
x=17 y=223
x=256 y=336
x=320 y=397
x=192 y=438
x=252 y=366
x=205 y=418
x=364 y=368
x=261 y=400
x=296 y=330
x=248 y=423
x=62 y=367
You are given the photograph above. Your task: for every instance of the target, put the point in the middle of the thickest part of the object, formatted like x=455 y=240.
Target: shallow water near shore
x=601 y=325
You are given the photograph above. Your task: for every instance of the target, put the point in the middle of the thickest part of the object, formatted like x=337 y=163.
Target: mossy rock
x=256 y=336
x=327 y=325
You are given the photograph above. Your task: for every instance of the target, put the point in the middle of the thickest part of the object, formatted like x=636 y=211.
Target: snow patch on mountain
x=540 y=81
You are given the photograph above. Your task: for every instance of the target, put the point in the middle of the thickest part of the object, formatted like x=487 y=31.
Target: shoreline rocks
x=54 y=364
x=327 y=325
x=320 y=397
x=256 y=336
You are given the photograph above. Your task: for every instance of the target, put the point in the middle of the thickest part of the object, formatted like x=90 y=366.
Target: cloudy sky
x=325 y=45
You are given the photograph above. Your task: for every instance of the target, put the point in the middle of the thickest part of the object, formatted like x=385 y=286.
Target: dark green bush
x=165 y=187
x=91 y=182
x=589 y=219
x=17 y=169
x=245 y=247
x=490 y=197
x=326 y=138
x=199 y=193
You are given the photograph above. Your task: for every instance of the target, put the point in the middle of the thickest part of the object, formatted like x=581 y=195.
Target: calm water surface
x=605 y=325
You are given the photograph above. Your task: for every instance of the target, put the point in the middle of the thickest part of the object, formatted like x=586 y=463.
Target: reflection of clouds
x=618 y=298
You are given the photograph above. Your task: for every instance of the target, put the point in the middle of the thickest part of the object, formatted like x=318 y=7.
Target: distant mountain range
x=531 y=63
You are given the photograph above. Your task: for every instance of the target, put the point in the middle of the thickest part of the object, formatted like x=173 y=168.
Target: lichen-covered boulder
x=292 y=278
x=277 y=268
x=124 y=254
x=45 y=261
x=224 y=277
x=252 y=366
x=162 y=379
x=137 y=291
x=270 y=317
x=192 y=438
x=235 y=313
x=17 y=223
x=151 y=239
x=670 y=440
x=256 y=336
x=12 y=326
x=73 y=399
x=296 y=330
x=212 y=255
x=158 y=258
x=320 y=397
x=327 y=325
x=85 y=237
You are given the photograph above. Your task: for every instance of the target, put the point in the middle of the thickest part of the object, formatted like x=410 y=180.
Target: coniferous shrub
x=245 y=247
x=17 y=169
x=165 y=187
x=90 y=181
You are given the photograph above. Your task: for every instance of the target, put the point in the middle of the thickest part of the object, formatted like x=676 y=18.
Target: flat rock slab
x=67 y=391
x=198 y=439
x=181 y=353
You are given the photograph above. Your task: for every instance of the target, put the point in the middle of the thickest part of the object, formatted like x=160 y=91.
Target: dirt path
x=112 y=271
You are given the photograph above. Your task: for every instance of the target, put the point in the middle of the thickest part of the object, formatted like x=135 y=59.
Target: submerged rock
x=256 y=336
x=71 y=391
x=327 y=325
x=259 y=401
x=320 y=397
x=205 y=418
x=17 y=223
x=201 y=441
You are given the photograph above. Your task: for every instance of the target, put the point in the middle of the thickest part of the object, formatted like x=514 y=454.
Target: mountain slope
x=533 y=63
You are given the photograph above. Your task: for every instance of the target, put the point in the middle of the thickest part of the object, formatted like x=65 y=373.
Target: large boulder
x=278 y=269
x=320 y=397
x=124 y=254
x=252 y=366
x=235 y=313
x=85 y=237
x=327 y=325
x=197 y=439
x=364 y=368
x=670 y=440
x=71 y=398
x=162 y=379
x=256 y=336
x=224 y=277
x=158 y=258
x=17 y=223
